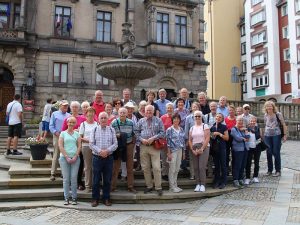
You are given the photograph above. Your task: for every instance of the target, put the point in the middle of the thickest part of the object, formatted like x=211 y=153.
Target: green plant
x=34 y=121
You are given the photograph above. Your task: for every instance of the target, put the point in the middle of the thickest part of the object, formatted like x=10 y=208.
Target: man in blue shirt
x=162 y=102
x=222 y=107
x=56 y=122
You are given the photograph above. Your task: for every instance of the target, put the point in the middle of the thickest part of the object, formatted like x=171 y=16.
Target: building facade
x=222 y=47
x=59 y=44
x=272 y=50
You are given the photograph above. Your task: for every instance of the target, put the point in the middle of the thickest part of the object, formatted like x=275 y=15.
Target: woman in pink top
x=167 y=121
x=199 y=136
x=75 y=107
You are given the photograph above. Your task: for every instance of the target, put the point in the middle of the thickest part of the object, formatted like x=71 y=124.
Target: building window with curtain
x=60 y=72
x=162 y=28
x=62 y=23
x=180 y=30
x=4 y=15
x=104 y=24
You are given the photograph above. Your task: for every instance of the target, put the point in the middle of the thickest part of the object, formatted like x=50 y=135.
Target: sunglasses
x=118 y=103
x=247 y=108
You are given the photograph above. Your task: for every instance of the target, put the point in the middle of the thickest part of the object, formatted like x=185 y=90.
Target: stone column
x=22 y=13
x=18 y=86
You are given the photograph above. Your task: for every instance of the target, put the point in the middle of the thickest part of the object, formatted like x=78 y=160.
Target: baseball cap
x=246 y=105
x=129 y=105
x=64 y=102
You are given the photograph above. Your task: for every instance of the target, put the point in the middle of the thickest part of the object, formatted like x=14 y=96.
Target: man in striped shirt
x=103 y=142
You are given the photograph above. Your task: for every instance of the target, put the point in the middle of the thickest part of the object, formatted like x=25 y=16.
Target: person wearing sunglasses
x=246 y=115
x=199 y=136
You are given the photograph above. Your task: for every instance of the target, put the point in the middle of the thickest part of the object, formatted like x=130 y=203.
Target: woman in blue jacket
x=240 y=148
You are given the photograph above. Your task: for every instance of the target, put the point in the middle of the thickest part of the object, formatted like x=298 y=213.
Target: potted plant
x=38 y=147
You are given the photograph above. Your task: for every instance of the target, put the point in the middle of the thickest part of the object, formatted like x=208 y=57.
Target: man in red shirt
x=98 y=104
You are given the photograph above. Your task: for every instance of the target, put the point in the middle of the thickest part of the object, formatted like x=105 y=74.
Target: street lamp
x=82 y=82
x=242 y=80
x=30 y=83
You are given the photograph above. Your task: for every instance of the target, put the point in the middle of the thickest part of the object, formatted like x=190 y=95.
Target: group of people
x=161 y=135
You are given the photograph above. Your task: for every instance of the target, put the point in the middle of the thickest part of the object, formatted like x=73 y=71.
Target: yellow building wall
x=224 y=48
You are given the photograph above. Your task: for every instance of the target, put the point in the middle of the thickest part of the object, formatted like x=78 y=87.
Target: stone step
x=117 y=197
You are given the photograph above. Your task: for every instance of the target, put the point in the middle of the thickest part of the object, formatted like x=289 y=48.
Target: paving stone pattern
x=253 y=194
x=294 y=215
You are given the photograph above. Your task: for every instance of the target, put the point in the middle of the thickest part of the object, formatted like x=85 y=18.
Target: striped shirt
x=103 y=138
x=124 y=127
x=175 y=139
x=147 y=128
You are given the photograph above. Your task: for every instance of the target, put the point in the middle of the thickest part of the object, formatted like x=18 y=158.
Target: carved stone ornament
x=127 y=44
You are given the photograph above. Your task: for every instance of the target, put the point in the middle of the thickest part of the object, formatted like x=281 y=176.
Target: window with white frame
x=60 y=72
x=284 y=10
x=245 y=86
x=244 y=67
x=243 y=30
x=287 y=77
x=286 y=54
x=259 y=38
x=102 y=81
x=260 y=81
x=243 y=48
x=205 y=46
x=297 y=5
x=285 y=32
x=257 y=18
x=255 y=2
x=162 y=28
x=259 y=59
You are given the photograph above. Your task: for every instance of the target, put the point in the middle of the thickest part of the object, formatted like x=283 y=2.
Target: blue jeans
x=220 y=166
x=240 y=159
x=102 y=167
x=274 y=144
x=69 y=172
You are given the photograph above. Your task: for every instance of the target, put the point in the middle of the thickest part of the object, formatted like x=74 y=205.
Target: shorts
x=15 y=130
x=45 y=126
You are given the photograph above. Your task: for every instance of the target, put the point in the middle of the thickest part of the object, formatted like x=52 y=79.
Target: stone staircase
x=28 y=179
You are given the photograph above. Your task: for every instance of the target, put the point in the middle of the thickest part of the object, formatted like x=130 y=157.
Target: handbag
x=280 y=126
x=262 y=145
x=160 y=143
x=197 y=146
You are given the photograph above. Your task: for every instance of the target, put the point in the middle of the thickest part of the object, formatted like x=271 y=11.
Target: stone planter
x=38 y=152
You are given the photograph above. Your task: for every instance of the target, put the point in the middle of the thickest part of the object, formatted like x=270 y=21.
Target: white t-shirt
x=252 y=140
x=47 y=112
x=15 y=110
x=86 y=129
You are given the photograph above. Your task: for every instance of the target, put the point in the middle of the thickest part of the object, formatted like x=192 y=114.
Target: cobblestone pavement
x=273 y=201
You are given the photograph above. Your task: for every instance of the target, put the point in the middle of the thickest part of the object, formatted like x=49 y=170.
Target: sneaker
x=202 y=188
x=268 y=173
x=16 y=152
x=247 y=181
x=180 y=190
x=277 y=174
x=255 y=180
x=197 y=188
x=236 y=184
x=175 y=190
x=66 y=202
x=52 y=178
x=8 y=152
x=74 y=201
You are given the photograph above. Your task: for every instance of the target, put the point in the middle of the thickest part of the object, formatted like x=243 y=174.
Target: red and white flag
x=58 y=21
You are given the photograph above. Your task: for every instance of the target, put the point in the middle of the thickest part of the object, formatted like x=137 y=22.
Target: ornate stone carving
x=151 y=10
x=127 y=45
x=8 y=34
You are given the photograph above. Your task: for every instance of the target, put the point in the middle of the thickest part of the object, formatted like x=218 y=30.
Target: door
x=7 y=92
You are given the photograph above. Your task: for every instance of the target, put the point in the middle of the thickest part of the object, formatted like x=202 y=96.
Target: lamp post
x=242 y=80
x=30 y=83
x=82 y=82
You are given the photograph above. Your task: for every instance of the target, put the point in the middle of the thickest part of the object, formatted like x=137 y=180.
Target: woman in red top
x=230 y=121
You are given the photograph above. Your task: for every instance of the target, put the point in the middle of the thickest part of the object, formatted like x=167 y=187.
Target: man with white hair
x=202 y=99
x=149 y=129
x=127 y=96
x=222 y=107
x=184 y=94
x=162 y=102
x=103 y=142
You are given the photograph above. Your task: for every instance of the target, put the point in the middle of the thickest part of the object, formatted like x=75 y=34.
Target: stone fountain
x=127 y=72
